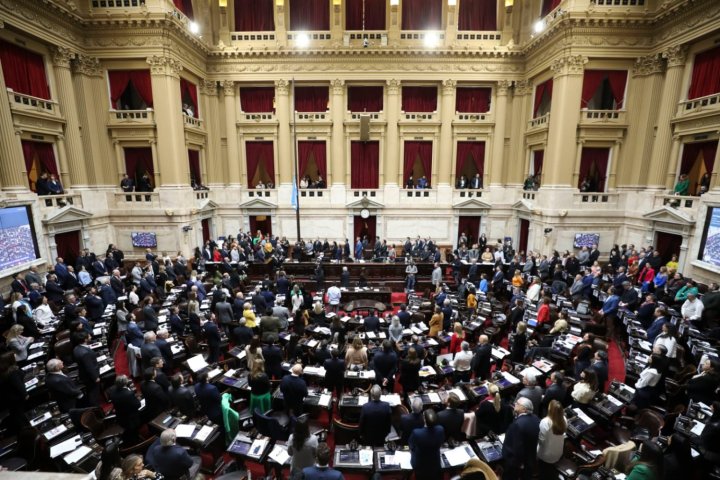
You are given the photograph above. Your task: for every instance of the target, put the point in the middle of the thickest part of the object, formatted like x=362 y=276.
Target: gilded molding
x=228 y=87
x=338 y=86
x=393 y=86
x=675 y=56
x=163 y=65
x=209 y=87
x=61 y=57
x=88 y=66
x=568 y=65
x=282 y=87
x=648 y=65
x=503 y=86
x=448 y=87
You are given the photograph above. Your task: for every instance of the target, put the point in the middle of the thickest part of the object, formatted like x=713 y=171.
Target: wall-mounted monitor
x=586 y=240
x=18 y=243
x=710 y=241
x=144 y=239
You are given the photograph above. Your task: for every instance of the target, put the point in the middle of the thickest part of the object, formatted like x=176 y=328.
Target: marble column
x=392 y=168
x=445 y=152
x=213 y=162
x=496 y=174
x=233 y=151
x=518 y=155
x=13 y=176
x=338 y=170
x=285 y=148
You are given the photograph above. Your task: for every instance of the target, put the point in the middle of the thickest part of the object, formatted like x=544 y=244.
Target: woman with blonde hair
x=253 y=352
x=456 y=338
x=249 y=316
x=356 y=354
x=259 y=386
x=133 y=468
x=517 y=280
x=18 y=343
x=493 y=414
x=551 y=441
x=436 y=323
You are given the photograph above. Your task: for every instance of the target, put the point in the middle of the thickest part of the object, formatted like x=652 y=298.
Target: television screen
x=710 y=243
x=18 y=244
x=144 y=239
x=586 y=240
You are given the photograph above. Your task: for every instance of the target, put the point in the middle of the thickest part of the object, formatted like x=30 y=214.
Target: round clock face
x=364 y=213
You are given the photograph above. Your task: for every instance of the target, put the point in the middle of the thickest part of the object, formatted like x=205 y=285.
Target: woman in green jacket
x=648 y=465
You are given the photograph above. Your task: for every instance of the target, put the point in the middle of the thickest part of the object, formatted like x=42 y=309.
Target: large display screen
x=144 y=239
x=18 y=244
x=586 y=240
x=710 y=244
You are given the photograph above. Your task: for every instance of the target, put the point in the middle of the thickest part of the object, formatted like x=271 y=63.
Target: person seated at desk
x=18 y=343
x=209 y=398
x=702 y=387
x=294 y=390
x=451 y=419
x=425 y=446
x=127 y=406
x=356 y=354
x=584 y=390
x=182 y=397
x=171 y=460
x=411 y=421
x=302 y=447
x=133 y=468
x=321 y=470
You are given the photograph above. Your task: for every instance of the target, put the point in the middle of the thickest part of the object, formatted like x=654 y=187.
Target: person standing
x=425 y=446
x=436 y=277
x=302 y=447
x=551 y=441
x=321 y=471
x=89 y=373
x=521 y=441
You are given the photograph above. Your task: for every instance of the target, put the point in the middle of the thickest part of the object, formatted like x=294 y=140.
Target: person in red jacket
x=456 y=338
x=543 y=315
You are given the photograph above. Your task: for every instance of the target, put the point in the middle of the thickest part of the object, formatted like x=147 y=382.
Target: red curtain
x=478 y=15
x=257 y=99
x=308 y=149
x=593 y=79
x=119 y=80
x=254 y=16
x=137 y=162
x=593 y=166
x=195 y=172
x=205 y=224
x=706 y=74
x=259 y=153
x=422 y=14
x=548 y=6
x=364 y=226
x=470 y=226
x=39 y=157
x=524 y=232
x=419 y=99
x=68 y=246
x=309 y=15
x=185 y=6
x=24 y=71
x=189 y=90
x=413 y=151
x=541 y=90
x=691 y=151
x=365 y=99
x=475 y=151
x=538 y=159
x=472 y=99
x=311 y=99
x=364 y=164
x=618 y=80
x=374 y=14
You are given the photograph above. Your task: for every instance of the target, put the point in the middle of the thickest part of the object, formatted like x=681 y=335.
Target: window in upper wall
x=419 y=99
x=364 y=164
x=312 y=163
x=254 y=16
x=260 y=160
x=603 y=89
x=543 y=98
x=472 y=99
x=470 y=164
x=24 y=71
x=309 y=15
x=39 y=160
x=195 y=170
x=130 y=89
x=421 y=14
x=477 y=15
x=417 y=168
x=189 y=98
x=257 y=99
x=697 y=163
x=365 y=99
x=593 y=169
x=311 y=99
x=139 y=167
x=373 y=12
x=186 y=7
x=706 y=74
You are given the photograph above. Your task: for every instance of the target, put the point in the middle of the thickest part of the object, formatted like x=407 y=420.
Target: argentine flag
x=293 y=200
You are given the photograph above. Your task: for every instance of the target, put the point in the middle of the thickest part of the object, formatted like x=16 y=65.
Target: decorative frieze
x=88 y=66
x=163 y=65
x=61 y=57
x=648 y=65
x=675 y=56
x=228 y=87
x=569 y=65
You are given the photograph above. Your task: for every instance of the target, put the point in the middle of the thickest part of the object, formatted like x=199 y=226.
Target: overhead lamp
x=337 y=3
x=452 y=3
x=509 y=5
x=302 y=40
x=279 y=3
x=222 y=3
x=539 y=26
x=194 y=28
x=394 y=3
x=431 y=40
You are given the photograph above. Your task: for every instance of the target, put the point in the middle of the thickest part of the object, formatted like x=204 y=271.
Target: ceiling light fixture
x=539 y=26
x=302 y=40
x=222 y=3
x=194 y=28
x=432 y=39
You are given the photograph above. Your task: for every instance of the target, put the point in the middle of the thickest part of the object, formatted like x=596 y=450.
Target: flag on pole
x=293 y=200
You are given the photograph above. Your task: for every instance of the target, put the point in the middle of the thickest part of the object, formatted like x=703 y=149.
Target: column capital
x=503 y=86
x=393 y=86
x=282 y=87
x=88 y=66
x=62 y=56
x=209 y=87
x=676 y=55
x=448 y=87
x=647 y=65
x=338 y=86
x=228 y=87
x=568 y=65
x=522 y=87
x=162 y=65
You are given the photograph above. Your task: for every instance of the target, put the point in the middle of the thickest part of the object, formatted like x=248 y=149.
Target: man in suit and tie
x=133 y=334
x=386 y=365
x=375 y=419
x=273 y=360
x=88 y=371
x=209 y=398
x=61 y=387
x=94 y=305
x=412 y=420
x=212 y=335
x=53 y=291
x=61 y=269
x=117 y=284
x=145 y=288
x=164 y=346
x=171 y=460
x=476 y=182
x=127 y=184
x=224 y=313
x=556 y=391
x=294 y=390
x=335 y=373
x=451 y=419
x=321 y=471
x=521 y=440
x=156 y=400
x=98 y=268
x=425 y=446
x=127 y=407
x=107 y=294
x=182 y=397
x=150 y=317
x=71 y=282
x=149 y=349
x=482 y=358
x=18 y=284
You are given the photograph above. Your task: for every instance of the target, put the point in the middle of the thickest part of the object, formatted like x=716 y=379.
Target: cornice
x=373 y=54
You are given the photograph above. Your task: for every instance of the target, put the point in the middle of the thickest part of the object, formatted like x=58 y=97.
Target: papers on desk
x=258 y=447
x=35 y=355
x=583 y=416
x=279 y=454
x=95 y=346
x=204 y=433
x=214 y=372
x=97 y=331
x=36 y=345
x=31 y=383
x=401 y=459
x=105 y=369
x=312 y=343
x=461 y=395
x=499 y=352
x=184 y=430
x=54 y=432
x=366 y=457
x=531 y=372
x=101 y=358
x=393 y=399
x=142 y=404
x=543 y=365
x=432 y=342
x=230 y=372
x=434 y=397
x=316 y=371
x=697 y=429
x=176 y=348
x=426 y=371
x=66 y=446
x=615 y=401
x=458 y=455
x=197 y=363
x=510 y=378
x=325 y=400
x=323 y=330
x=38 y=420
x=77 y=455
x=362 y=400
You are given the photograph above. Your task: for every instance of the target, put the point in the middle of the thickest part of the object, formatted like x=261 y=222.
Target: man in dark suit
x=482 y=358
x=212 y=335
x=98 y=268
x=386 y=365
x=425 y=446
x=224 y=313
x=145 y=289
x=171 y=460
x=149 y=349
x=182 y=397
x=372 y=323
x=273 y=360
x=94 y=305
x=412 y=420
x=150 y=318
x=156 y=400
x=61 y=269
x=556 y=391
x=162 y=344
x=107 y=294
x=71 y=281
x=270 y=326
x=375 y=419
x=335 y=373
x=133 y=334
x=18 y=284
x=451 y=419
x=53 y=291
x=242 y=334
x=321 y=471
x=294 y=390
x=127 y=184
x=61 y=387
x=521 y=440
x=117 y=284
x=127 y=408
x=88 y=371
x=209 y=398
x=404 y=316
x=600 y=366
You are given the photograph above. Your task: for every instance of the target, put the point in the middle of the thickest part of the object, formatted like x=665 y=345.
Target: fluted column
x=518 y=153
x=447 y=114
x=285 y=147
x=76 y=171
x=496 y=174
x=392 y=151
x=232 y=137
x=714 y=184
x=213 y=162
x=338 y=135
x=661 y=173
x=165 y=78
x=564 y=118
x=280 y=24
x=12 y=163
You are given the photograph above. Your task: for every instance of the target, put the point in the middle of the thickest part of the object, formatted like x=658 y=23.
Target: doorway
x=523 y=236
x=205 y=222
x=262 y=223
x=668 y=244
x=68 y=246
x=470 y=226
x=364 y=227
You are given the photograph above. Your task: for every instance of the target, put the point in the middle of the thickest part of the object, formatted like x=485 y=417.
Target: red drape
x=24 y=71
x=538 y=159
x=593 y=166
x=364 y=164
x=470 y=226
x=548 y=6
x=473 y=151
x=478 y=15
x=259 y=153
x=257 y=99
x=309 y=15
x=185 y=6
x=311 y=99
x=422 y=14
x=189 y=89
x=472 y=99
x=265 y=225
x=419 y=99
x=592 y=80
x=140 y=79
x=691 y=151
x=413 y=151
x=68 y=246
x=39 y=157
x=205 y=224
x=374 y=14
x=524 y=232
x=308 y=149
x=195 y=172
x=706 y=74
x=137 y=162
x=541 y=90
x=365 y=99
x=254 y=16
x=618 y=80
x=364 y=226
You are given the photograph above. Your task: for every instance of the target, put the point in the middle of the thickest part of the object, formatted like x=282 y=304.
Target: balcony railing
x=489 y=36
x=357 y=38
x=700 y=104
x=414 y=197
x=202 y=194
x=131 y=118
x=252 y=36
x=473 y=117
x=257 y=117
x=529 y=195
x=60 y=201
x=423 y=35
x=419 y=116
x=138 y=199
x=24 y=102
x=117 y=3
x=314 y=193
x=353 y=195
x=676 y=201
x=539 y=122
x=356 y=115
x=311 y=116
x=619 y=3
x=260 y=193
x=594 y=117
x=305 y=39
x=192 y=122
x=596 y=198
x=464 y=194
